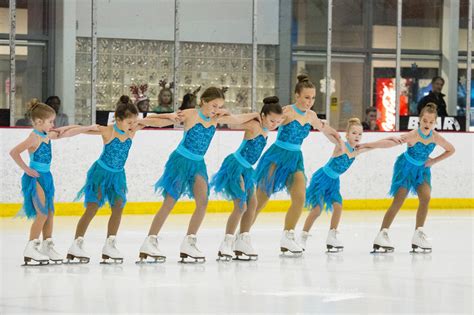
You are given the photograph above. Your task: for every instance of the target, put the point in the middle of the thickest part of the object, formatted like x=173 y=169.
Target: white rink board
x=368 y=178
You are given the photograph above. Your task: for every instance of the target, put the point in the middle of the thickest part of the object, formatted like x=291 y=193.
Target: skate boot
x=47 y=249
x=303 y=239
x=288 y=244
x=382 y=243
x=420 y=241
x=243 y=248
x=225 y=250
x=333 y=243
x=188 y=249
x=32 y=253
x=76 y=253
x=150 y=249
x=110 y=253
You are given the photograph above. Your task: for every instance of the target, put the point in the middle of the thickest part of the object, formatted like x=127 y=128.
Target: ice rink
x=353 y=281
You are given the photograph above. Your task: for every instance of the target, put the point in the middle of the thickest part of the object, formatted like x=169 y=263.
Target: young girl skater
x=37 y=183
x=323 y=189
x=236 y=180
x=281 y=166
x=412 y=173
x=106 y=180
x=186 y=174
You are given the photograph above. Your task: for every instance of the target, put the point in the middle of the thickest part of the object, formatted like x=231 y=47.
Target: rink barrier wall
x=217 y=206
x=364 y=186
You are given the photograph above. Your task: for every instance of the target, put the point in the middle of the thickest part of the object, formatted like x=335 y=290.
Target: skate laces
x=80 y=242
x=385 y=236
x=246 y=238
x=290 y=235
x=422 y=235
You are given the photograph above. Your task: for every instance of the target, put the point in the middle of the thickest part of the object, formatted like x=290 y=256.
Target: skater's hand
x=31 y=172
x=180 y=116
x=361 y=146
x=430 y=162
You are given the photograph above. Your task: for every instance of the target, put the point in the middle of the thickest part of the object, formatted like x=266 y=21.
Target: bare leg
x=48 y=226
x=249 y=215
x=236 y=214
x=38 y=223
x=336 y=215
x=262 y=197
x=86 y=219
x=392 y=211
x=312 y=216
x=161 y=215
x=298 y=195
x=424 y=195
x=200 y=197
x=115 y=218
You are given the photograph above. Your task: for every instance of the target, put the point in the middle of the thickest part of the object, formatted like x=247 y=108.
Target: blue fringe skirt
x=409 y=176
x=104 y=186
x=228 y=180
x=180 y=175
x=286 y=164
x=323 y=191
x=30 y=194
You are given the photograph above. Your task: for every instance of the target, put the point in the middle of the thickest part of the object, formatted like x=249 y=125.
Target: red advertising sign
x=385 y=103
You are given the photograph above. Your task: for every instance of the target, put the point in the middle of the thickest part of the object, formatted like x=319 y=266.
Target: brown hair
x=354 y=121
x=303 y=83
x=212 y=93
x=430 y=108
x=125 y=108
x=38 y=110
x=271 y=105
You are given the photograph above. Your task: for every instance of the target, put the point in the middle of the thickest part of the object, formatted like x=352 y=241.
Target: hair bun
x=303 y=78
x=271 y=100
x=224 y=89
x=432 y=105
x=32 y=104
x=354 y=120
x=124 y=99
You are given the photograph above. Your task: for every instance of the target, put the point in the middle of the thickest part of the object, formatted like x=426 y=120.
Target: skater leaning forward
x=106 y=179
x=186 y=173
x=235 y=180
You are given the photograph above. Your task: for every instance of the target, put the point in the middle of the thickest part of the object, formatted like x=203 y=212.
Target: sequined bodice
x=115 y=153
x=42 y=153
x=251 y=149
x=420 y=151
x=293 y=132
x=341 y=163
x=198 y=138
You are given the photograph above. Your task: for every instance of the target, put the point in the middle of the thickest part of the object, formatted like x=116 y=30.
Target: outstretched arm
x=158 y=120
x=446 y=145
x=384 y=143
x=226 y=118
x=73 y=130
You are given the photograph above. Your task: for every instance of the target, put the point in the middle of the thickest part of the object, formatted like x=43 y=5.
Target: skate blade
x=143 y=259
x=415 y=249
x=241 y=256
x=28 y=261
x=74 y=260
x=377 y=249
x=334 y=249
x=285 y=252
x=57 y=261
x=224 y=258
x=186 y=259
x=107 y=260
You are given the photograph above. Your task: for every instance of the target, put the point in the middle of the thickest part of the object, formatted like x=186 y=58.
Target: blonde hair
x=430 y=108
x=38 y=110
x=354 y=121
